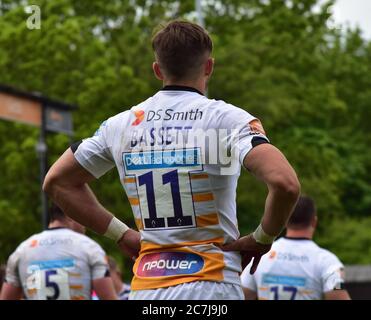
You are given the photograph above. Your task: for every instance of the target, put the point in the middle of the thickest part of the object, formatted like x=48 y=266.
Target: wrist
x=262 y=237
x=116 y=229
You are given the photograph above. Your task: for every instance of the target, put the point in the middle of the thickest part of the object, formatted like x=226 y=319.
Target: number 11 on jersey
x=163 y=186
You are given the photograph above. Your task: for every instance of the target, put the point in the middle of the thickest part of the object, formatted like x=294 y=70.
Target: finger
x=255 y=264
x=233 y=246
x=129 y=251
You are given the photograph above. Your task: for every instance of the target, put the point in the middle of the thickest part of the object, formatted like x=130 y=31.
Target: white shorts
x=198 y=290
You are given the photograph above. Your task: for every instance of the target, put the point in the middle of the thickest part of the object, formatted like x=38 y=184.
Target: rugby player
x=58 y=264
x=296 y=268
x=179 y=155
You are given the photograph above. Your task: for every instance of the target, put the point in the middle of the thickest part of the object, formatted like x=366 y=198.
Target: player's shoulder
x=277 y=246
x=299 y=246
x=125 y=117
x=86 y=242
x=80 y=237
x=226 y=114
x=223 y=106
x=280 y=242
x=326 y=257
x=325 y=253
x=30 y=242
x=115 y=119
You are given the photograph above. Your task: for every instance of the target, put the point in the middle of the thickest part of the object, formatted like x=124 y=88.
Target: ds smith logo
x=139 y=117
x=34 y=243
x=272 y=254
x=167 y=114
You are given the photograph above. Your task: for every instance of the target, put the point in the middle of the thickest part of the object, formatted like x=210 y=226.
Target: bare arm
x=249 y=294
x=337 y=295
x=10 y=292
x=104 y=289
x=67 y=184
x=269 y=165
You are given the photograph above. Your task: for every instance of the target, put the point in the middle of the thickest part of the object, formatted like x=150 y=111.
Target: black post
x=42 y=150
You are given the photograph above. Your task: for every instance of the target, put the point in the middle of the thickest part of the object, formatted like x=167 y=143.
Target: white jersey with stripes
x=57 y=264
x=178 y=155
x=295 y=269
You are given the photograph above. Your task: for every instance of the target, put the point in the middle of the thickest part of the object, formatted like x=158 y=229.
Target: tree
x=308 y=83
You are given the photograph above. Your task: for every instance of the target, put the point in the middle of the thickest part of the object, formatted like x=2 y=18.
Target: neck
x=57 y=224
x=303 y=233
x=199 y=84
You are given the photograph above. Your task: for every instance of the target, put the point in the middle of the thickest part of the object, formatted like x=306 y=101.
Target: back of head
x=303 y=215
x=181 y=49
x=56 y=214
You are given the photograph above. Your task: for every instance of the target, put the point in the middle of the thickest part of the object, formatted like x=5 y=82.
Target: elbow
x=49 y=183
x=288 y=186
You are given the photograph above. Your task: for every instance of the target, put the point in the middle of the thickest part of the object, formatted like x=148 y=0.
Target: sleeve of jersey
x=331 y=273
x=98 y=262
x=12 y=276
x=94 y=153
x=247 y=132
x=248 y=280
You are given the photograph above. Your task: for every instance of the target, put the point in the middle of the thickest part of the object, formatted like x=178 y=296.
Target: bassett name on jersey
x=159 y=136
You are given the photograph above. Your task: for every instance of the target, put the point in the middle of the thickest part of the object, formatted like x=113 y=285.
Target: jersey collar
x=298 y=238
x=55 y=228
x=181 y=88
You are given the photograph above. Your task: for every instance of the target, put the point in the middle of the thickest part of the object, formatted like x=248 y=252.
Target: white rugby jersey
x=181 y=187
x=294 y=269
x=56 y=264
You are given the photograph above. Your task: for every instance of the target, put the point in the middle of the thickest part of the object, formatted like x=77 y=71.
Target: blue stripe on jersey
x=53 y=264
x=189 y=157
x=285 y=280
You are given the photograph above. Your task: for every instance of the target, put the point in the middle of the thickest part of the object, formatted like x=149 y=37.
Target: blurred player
x=58 y=264
x=181 y=187
x=296 y=268
x=122 y=289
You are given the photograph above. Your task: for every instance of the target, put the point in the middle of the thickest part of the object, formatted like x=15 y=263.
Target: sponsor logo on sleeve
x=256 y=127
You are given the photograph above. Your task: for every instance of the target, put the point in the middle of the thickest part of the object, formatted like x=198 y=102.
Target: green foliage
x=309 y=84
x=349 y=238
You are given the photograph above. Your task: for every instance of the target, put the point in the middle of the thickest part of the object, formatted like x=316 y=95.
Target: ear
x=157 y=71
x=209 y=67
x=314 y=222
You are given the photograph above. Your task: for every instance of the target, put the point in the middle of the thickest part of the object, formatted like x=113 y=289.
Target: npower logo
x=169 y=264
x=139 y=117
